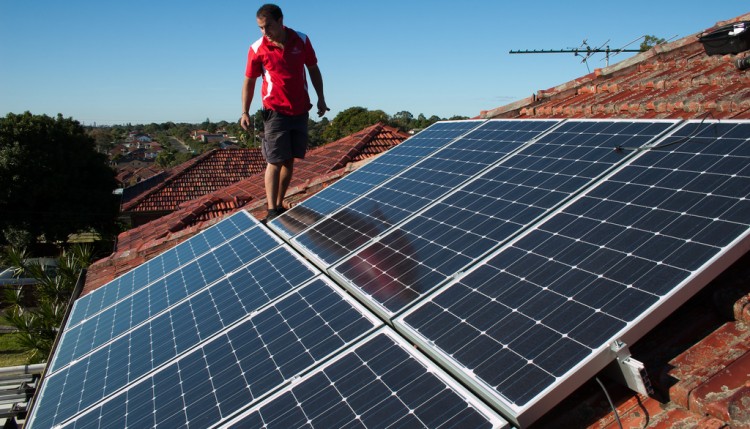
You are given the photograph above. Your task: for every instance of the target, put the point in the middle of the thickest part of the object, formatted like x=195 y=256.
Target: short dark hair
x=270 y=11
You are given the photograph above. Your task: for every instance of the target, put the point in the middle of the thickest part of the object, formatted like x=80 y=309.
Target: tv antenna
x=584 y=51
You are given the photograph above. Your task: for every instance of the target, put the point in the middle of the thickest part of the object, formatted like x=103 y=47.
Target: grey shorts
x=284 y=137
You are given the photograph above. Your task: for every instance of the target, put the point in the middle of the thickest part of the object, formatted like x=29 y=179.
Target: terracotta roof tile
x=209 y=172
x=674 y=80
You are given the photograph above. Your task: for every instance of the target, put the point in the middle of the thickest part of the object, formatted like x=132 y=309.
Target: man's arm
x=248 y=88
x=317 y=82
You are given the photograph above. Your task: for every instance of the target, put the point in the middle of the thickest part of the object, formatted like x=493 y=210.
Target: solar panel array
x=414 y=188
x=195 y=346
x=558 y=295
x=513 y=252
x=415 y=257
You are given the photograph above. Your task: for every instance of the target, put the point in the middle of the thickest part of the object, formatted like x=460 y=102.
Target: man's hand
x=245 y=121
x=322 y=108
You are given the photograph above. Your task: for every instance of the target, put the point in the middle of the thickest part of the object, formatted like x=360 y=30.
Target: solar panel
x=413 y=189
x=513 y=254
x=235 y=367
x=157 y=267
x=415 y=257
x=382 y=382
x=370 y=175
x=539 y=316
x=81 y=336
x=180 y=329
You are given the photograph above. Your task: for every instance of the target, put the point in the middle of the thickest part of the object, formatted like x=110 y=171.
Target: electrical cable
x=661 y=146
x=614 y=410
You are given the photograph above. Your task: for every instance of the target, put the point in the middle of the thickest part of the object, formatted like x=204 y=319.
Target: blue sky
x=141 y=61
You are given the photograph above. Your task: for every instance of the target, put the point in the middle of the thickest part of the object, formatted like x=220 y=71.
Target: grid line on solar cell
x=370 y=175
x=161 y=294
x=238 y=367
x=379 y=383
x=415 y=188
x=172 y=333
x=160 y=265
x=428 y=249
x=529 y=314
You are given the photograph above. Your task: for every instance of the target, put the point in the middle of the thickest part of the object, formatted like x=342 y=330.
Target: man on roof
x=280 y=57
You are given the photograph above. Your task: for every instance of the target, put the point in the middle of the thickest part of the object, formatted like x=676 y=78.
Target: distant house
x=197 y=134
x=213 y=138
x=129 y=176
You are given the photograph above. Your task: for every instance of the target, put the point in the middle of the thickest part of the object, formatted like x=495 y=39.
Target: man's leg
x=273 y=173
x=285 y=176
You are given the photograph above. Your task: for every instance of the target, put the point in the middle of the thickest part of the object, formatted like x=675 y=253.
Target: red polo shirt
x=283 y=70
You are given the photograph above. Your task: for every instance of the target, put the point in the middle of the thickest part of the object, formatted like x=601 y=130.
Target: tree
x=209 y=126
x=53 y=182
x=182 y=157
x=315 y=131
x=37 y=325
x=103 y=138
x=403 y=120
x=650 y=41
x=165 y=158
x=352 y=120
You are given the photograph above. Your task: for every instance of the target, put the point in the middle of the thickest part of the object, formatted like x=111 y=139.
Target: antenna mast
x=585 y=51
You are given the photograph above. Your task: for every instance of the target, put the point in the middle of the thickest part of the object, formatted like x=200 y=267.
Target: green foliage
x=650 y=41
x=37 y=326
x=315 y=131
x=53 y=182
x=181 y=157
x=165 y=158
x=352 y=120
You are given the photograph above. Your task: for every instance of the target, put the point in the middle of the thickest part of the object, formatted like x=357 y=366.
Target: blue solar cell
x=173 y=332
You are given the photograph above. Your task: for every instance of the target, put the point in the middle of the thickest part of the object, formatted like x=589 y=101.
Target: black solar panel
x=633 y=245
x=231 y=370
x=381 y=383
x=418 y=255
x=369 y=176
x=413 y=189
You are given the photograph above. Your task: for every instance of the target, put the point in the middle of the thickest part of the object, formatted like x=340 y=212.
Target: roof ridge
x=367 y=135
